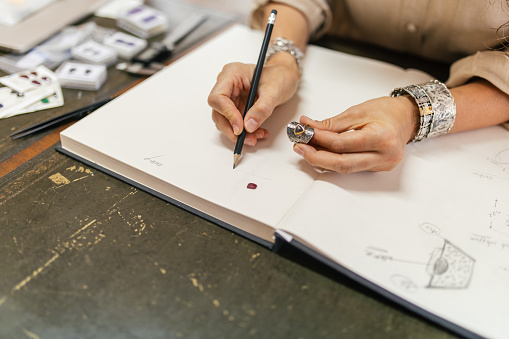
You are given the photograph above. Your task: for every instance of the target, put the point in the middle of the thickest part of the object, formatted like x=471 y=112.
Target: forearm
x=290 y=24
x=479 y=104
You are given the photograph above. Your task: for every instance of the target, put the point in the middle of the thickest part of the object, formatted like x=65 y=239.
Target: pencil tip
x=236 y=158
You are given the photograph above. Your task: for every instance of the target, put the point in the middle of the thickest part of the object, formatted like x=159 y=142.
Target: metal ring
x=299 y=133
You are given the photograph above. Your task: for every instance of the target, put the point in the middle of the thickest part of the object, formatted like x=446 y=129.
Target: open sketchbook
x=433 y=234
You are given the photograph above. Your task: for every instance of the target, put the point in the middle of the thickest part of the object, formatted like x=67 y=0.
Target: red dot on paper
x=252 y=186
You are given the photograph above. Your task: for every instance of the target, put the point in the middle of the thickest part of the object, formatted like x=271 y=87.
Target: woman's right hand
x=278 y=83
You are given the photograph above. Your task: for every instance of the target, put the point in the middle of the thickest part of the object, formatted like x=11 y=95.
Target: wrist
x=411 y=116
x=285 y=60
x=284 y=46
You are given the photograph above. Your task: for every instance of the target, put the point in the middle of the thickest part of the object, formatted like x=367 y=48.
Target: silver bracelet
x=285 y=45
x=437 y=109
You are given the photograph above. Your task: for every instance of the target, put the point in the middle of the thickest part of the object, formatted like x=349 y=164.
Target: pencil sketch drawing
x=450 y=267
x=501 y=159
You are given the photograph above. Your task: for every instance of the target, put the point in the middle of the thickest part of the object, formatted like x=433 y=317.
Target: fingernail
x=298 y=150
x=261 y=134
x=251 y=125
x=249 y=142
x=236 y=129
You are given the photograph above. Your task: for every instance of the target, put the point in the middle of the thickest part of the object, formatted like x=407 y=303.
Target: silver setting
x=437 y=109
x=299 y=133
x=285 y=45
x=444 y=108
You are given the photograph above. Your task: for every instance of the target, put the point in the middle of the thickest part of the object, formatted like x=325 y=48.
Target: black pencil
x=254 y=84
x=60 y=120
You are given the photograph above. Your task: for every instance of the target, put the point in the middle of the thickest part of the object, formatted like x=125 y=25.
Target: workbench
x=85 y=255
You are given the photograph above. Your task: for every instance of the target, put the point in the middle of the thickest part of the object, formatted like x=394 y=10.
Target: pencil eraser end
x=273 y=12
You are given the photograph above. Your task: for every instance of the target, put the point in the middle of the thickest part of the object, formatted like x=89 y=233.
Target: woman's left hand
x=367 y=137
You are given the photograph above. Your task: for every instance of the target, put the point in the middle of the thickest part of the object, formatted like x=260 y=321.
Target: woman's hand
x=278 y=83
x=367 y=137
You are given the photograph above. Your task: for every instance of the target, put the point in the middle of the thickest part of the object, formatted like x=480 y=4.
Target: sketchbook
x=432 y=235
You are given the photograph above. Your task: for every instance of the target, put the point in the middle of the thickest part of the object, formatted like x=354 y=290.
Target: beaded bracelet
x=437 y=109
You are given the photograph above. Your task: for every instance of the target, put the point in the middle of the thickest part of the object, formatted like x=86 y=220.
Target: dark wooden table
x=84 y=255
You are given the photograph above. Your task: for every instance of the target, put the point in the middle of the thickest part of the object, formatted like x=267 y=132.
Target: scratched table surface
x=84 y=255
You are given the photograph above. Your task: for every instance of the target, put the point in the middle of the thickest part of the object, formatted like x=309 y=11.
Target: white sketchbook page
x=163 y=127
x=451 y=196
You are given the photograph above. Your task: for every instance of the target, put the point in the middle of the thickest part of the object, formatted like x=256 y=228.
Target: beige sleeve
x=317 y=13
x=490 y=65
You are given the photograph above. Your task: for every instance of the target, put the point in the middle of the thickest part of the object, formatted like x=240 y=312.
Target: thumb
x=259 y=112
x=336 y=124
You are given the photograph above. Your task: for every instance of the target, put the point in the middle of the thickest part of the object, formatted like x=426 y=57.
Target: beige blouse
x=462 y=32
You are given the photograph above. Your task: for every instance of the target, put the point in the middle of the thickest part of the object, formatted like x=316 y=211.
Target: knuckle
x=341 y=166
x=337 y=146
x=398 y=156
x=311 y=160
x=395 y=159
x=390 y=162
x=229 y=66
x=389 y=145
x=327 y=123
x=215 y=117
x=264 y=109
x=212 y=99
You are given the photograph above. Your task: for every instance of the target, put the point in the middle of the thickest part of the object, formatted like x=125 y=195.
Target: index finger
x=221 y=101
x=350 y=141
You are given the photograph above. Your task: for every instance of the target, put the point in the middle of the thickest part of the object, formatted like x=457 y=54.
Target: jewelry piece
x=437 y=109
x=299 y=133
x=284 y=45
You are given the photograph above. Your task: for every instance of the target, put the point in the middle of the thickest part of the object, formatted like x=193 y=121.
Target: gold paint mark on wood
x=30 y=334
x=86 y=176
x=196 y=283
x=83 y=228
x=59 y=179
x=35 y=273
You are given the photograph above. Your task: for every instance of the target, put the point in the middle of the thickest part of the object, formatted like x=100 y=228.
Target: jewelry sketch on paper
x=448 y=267
x=501 y=159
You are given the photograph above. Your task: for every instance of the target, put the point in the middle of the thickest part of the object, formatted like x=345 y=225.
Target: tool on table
x=60 y=120
x=150 y=60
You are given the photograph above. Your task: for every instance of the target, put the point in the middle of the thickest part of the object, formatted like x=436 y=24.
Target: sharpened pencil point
x=236 y=158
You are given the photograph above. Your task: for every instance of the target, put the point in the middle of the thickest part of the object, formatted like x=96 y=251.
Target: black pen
x=254 y=84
